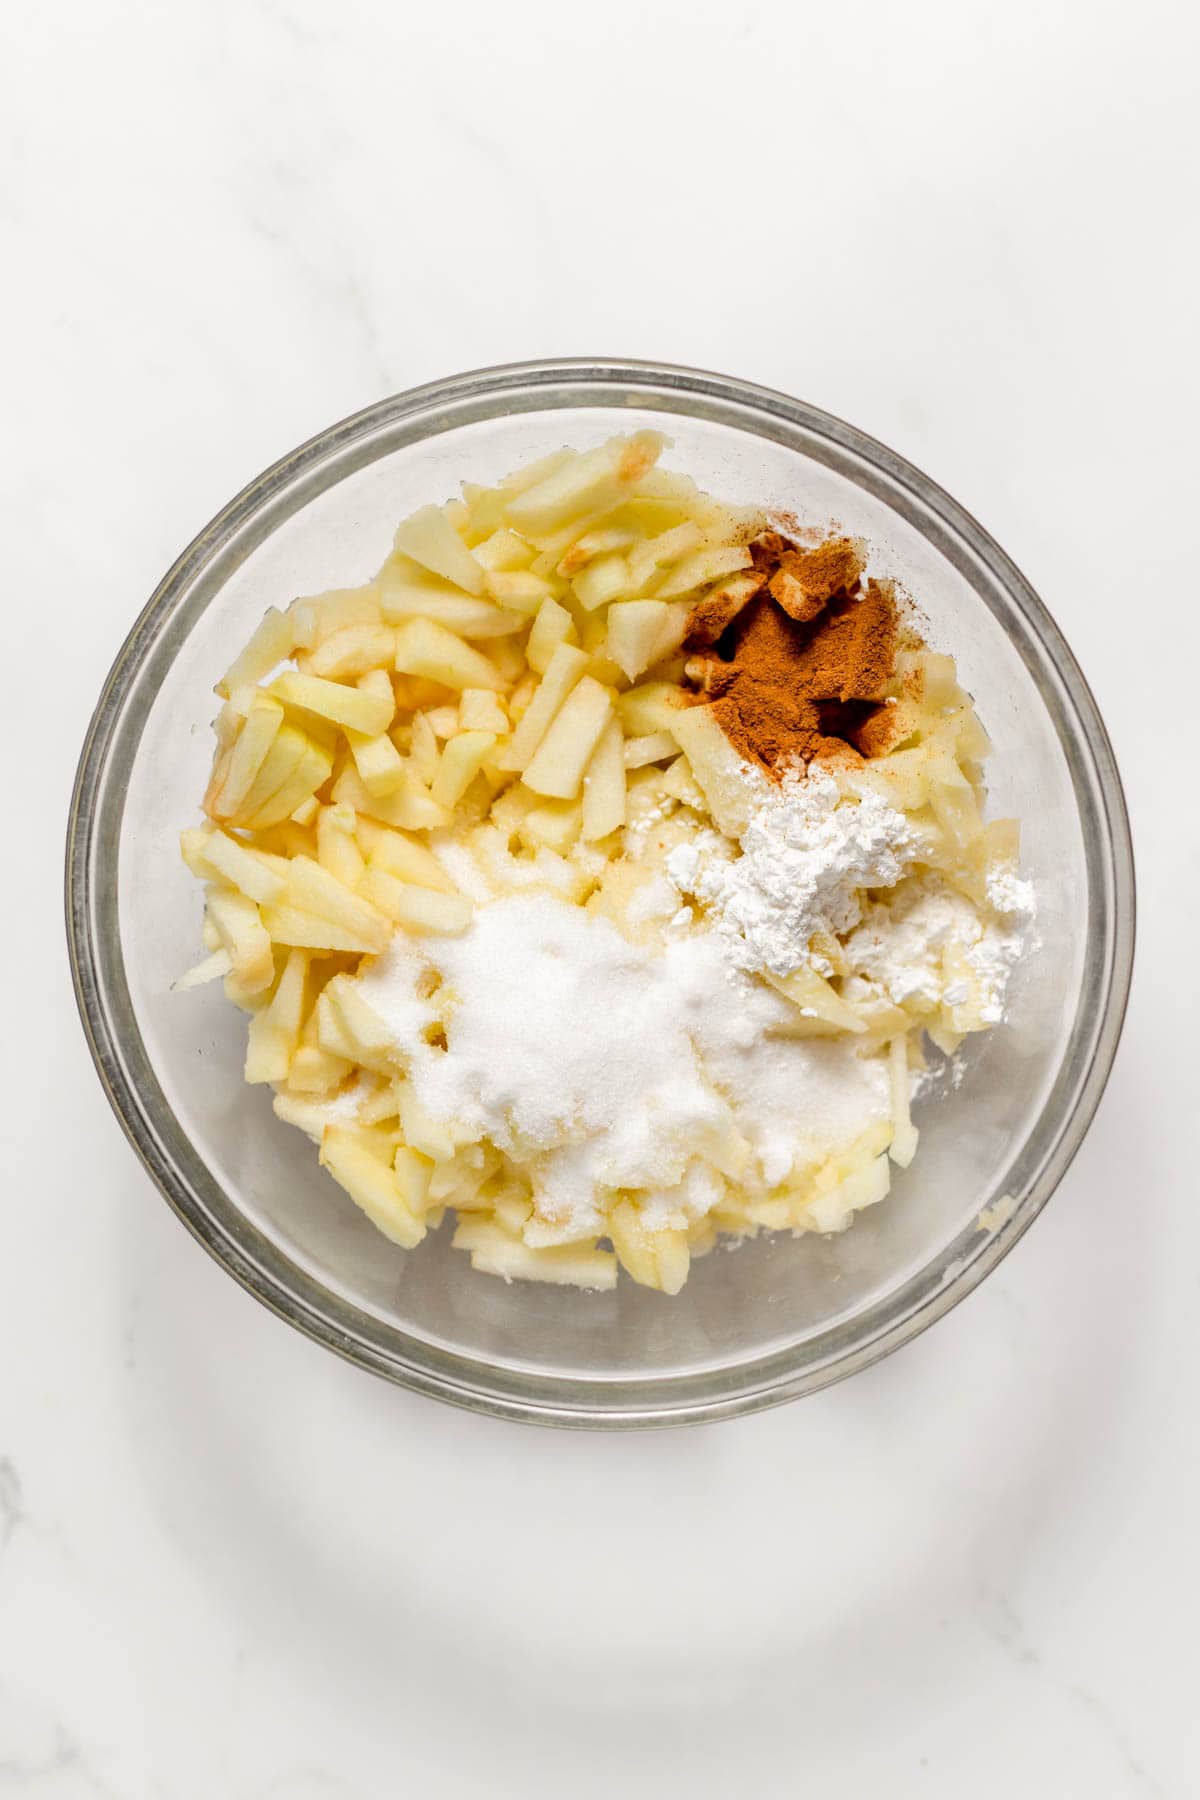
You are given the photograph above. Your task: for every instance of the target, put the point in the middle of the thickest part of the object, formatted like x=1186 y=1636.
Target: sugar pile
x=605 y=1067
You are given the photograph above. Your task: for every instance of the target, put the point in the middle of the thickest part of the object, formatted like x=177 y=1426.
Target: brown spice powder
x=807 y=679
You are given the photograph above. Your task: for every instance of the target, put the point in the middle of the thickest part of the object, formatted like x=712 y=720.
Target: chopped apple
x=353 y=708
x=556 y=767
x=459 y=764
x=401 y=856
x=272 y=643
x=655 y=747
x=212 y=968
x=652 y=707
x=409 y=592
x=409 y=807
x=242 y=933
x=479 y=710
x=430 y=539
x=494 y=1251
x=555 y=825
x=642 y=632
x=371 y=1183
x=717 y=767
x=274 y=1033
x=502 y=551
x=353 y=651
x=312 y=888
x=318 y=616
x=380 y=766
x=600 y=582
x=519 y=591
x=337 y=844
x=660 y=552
x=656 y=1259
x=709 y=564
x=426 y=648
x=604 y=785
x=245 y=758
x=585 y=482
x=552 y=626
x=564 y=669
x=256 y=875
x=423 y=911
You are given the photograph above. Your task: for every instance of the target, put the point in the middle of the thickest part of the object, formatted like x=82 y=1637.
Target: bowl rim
x=462 y=1380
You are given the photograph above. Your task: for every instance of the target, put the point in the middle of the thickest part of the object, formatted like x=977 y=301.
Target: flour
x=807 y=854
x=930 y=946
x=604 y=1068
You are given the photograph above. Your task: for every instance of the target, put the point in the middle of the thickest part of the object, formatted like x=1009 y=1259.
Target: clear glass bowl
x=783 y=1315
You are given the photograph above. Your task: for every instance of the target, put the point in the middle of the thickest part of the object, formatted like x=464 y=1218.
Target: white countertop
x=231 y=1566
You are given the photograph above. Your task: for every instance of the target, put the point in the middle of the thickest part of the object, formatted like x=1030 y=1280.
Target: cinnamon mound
x=803 y=667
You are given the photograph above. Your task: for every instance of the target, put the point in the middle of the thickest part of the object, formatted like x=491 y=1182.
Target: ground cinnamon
x=803 y=668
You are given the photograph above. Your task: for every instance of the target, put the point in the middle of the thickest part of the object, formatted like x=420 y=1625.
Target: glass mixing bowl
x=783 y=1315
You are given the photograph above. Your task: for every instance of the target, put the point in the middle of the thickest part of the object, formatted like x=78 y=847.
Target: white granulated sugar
x=807 y=853
x=605 y=1068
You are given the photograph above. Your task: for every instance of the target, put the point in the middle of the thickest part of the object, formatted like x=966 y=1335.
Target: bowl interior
x=253 y=1185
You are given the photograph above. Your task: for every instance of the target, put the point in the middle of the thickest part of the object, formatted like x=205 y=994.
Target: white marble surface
x=230 y=1566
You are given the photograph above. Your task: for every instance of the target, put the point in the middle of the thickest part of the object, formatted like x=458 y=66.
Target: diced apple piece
x=423 y=745
x=310 y=773
x=306 y=812
x=295 y=926
x=652 y=707
x=431 y=540
x=903 y=1146
x=313 y=889
x=717 y=767
x=409 y=807
x=600 y=542
x=337 y=844
x=602 y=581
x=816 y=1000
x=274 y=1034
x=314 y=1071
x=444 y=723
x=353 y=708
x=271 y=644
x=681 y=784
x=833 y=1209
x=212 y=968
x=604 y=786
x=529 y=474
x=352 y=651
x=519 y=591
x=412 y=1172
x=423 y=911
x=642 y=632
x=656 y=747
x=372 y=1184
x=401 y=856
x=460 y=762
x=502 y=551
x=246 y=757
x=585 y=482
x=242 y=933
x=370 y=1041
x=552 y=627
x=564 y=669
x=660 y=552
x=421 y=1132
x=555 y=825
x=655 y=1259
x=709 y=564
x=495 y=1251
x=426 y=648
x=557 y=766
x=409 y=592
x=246 y=869
x=380 y=766
x=479 y=710
x=318 y=616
